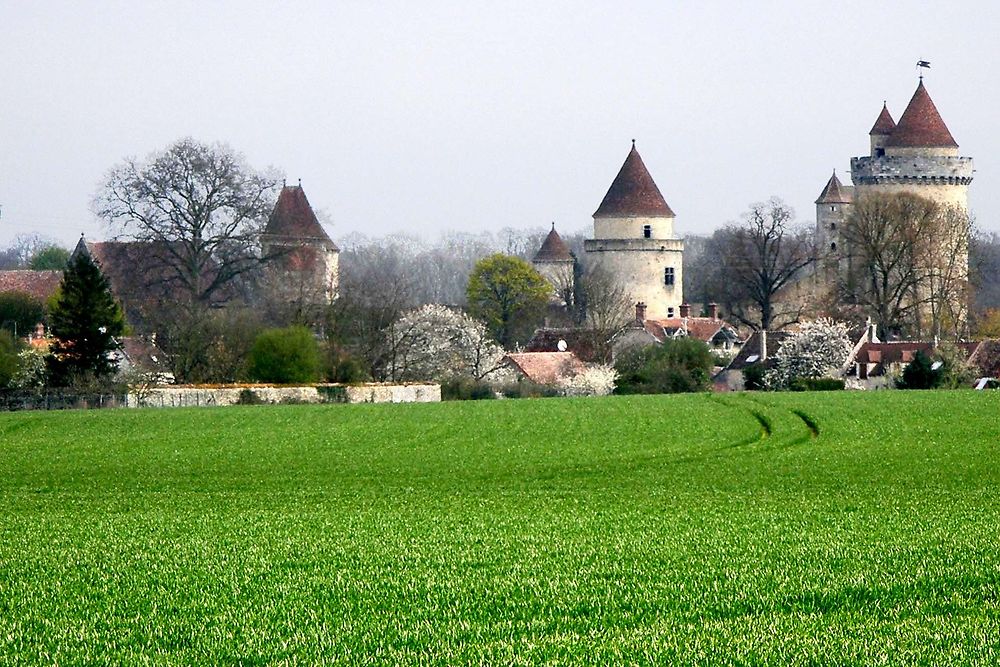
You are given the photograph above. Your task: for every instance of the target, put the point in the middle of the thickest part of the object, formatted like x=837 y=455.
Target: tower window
x=670 y=312
x=647 y=231
x=833 y=246
x=833 y=225
x=668 y=275
x=833 y=208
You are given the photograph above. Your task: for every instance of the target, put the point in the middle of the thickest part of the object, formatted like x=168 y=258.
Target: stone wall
x=638 y=264
x=196 y=396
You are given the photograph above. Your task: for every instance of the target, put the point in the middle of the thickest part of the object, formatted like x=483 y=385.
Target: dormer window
x=647 y=231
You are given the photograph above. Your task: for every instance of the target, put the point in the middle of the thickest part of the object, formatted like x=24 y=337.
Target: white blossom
x=595 y=380
x=817 y=350
x=435 y=342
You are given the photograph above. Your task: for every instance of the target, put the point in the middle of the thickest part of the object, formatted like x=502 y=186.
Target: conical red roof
x=294 y=218
x=884 y=124
x=633 y=193
x=553 y=249
x=921 y=124
x=834 y=192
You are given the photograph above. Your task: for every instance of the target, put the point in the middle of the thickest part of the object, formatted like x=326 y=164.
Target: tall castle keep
x=634 y=240
x=917 y=155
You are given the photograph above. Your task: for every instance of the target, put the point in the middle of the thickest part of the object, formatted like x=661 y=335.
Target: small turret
x=883 y=127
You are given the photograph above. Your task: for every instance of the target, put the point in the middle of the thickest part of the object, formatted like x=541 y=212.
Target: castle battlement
x=912 y=170
x=615 y=245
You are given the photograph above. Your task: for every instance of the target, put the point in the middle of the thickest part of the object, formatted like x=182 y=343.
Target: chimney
x=763 y=345
x=640 y=312
x=685 y=310
x=713 y=310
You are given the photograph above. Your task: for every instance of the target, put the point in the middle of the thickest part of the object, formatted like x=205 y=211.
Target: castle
x=633 y=241
x=917 y=155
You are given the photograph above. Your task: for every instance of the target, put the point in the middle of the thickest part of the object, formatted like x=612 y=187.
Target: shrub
x=678 y=365
x=816 y=384
x=285 y=356
x=20 y=312
x=9 y=360
x=248 y=397
x=465 y=389
x=753 y=377
x=525 y=389
x=920 y=374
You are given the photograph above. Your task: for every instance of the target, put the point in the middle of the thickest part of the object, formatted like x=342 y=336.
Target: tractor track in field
x=768 y=427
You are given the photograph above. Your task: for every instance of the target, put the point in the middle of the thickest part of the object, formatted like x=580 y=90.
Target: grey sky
x=425 y=116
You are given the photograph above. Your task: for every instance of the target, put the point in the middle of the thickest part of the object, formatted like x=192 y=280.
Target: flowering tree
x=816 y=351
x=435 y=342
x=596 y=380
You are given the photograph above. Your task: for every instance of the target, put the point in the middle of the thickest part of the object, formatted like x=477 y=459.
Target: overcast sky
x=421 y=117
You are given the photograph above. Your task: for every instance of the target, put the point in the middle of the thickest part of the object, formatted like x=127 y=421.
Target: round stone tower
x=634 y=240
x=917 y=155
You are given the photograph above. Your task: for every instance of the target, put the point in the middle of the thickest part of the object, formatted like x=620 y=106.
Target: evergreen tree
x=84 y=321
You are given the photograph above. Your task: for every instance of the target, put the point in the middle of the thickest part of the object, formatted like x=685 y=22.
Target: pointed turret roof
x=553 y=249
x=834 y=192
x=921 y=124
x=293 y=217
x=884 y=124
x=633 y=192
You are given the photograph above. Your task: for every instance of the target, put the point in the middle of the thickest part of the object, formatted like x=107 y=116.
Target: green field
x=838 y=528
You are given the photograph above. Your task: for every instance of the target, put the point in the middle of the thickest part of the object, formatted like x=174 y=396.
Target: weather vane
x=923 y=64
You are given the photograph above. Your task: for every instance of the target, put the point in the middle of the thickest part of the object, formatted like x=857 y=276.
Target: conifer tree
x=84 y=321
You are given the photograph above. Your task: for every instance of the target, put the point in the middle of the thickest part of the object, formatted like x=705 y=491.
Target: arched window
x=833 y=246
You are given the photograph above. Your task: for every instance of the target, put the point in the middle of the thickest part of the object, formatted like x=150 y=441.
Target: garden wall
x=193 y=396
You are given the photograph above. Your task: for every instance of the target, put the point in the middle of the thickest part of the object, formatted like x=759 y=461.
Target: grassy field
x=840 y=528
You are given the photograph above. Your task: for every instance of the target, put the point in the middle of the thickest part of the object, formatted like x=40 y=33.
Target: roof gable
x=884 y=124
x=633 y=192
x=921 y=125
x=834 y=192
x=546 y=367
x=294 y=218
x=553 y=249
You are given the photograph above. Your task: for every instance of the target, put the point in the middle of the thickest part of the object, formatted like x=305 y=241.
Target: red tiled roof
x=921 y=124
x=834 y=192
x=39 y=284
x=546 y=367
x=580 y=342
x=897 y=352
x=633 y=193
x=553 y=249
x=884 y=124
x=293 y=218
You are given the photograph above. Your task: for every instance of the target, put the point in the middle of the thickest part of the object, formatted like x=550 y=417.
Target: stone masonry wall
x=177 y=397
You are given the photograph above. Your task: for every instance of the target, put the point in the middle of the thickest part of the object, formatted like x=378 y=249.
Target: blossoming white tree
x=817 y=350
x=435 y=342
x=596 y=380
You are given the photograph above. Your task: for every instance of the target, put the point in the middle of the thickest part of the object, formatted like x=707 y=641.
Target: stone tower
x=557 y=265
x=634 y=240
x=831 y=210
x=918 y=155
x=300 y=251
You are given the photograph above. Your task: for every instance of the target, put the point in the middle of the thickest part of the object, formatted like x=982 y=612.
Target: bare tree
x=888 y=240
x=607 y=306
x=200 y=206
x=374 y=293
x=756 y=260
x=947 y=274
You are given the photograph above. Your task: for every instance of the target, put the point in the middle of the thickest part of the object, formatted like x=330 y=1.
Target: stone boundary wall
x=199 y=396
